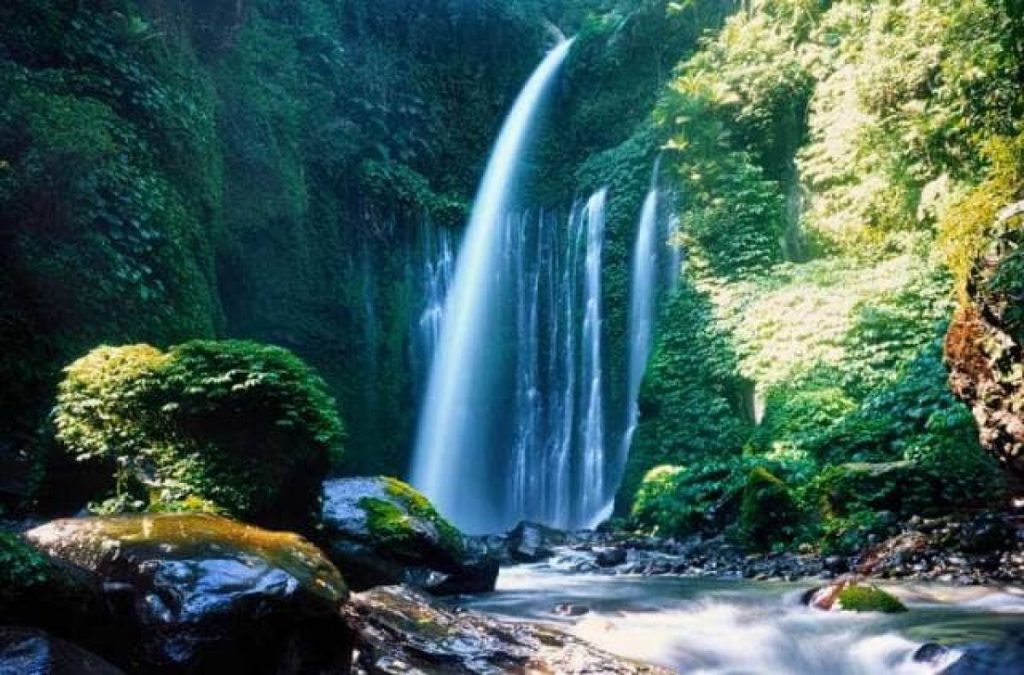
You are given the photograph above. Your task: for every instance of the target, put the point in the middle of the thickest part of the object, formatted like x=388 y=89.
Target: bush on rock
x=229 y=426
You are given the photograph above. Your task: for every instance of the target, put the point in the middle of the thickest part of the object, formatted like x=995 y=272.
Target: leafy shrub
x=234 y=426
x=679 y=501
x=897 y=487
x=846 y=535
x=36 y=590
x=687 y=402
x=21 y=568
x=768 y=512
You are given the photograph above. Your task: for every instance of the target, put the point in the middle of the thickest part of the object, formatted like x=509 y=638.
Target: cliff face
x=984 y=343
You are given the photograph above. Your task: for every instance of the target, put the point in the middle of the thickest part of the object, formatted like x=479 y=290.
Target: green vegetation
x=179 y=173
x=226 y=426
x=768 y=513
x=22 y=569
x=840 y=165
x=36 y=590
x=856 y=598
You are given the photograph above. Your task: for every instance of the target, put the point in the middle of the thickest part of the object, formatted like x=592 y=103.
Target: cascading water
x=654 y=269
x=438 y=261
x=593 y=490
x=641 y=309
x=454 y=463
x=558 y=465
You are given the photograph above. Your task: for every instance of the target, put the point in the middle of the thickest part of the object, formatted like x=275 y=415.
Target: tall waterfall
x=456 y=462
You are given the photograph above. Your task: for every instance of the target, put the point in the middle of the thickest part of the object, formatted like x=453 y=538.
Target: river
x=733 y=627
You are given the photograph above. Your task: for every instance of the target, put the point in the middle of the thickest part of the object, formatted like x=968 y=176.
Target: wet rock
x=380 y=531
x=849 y=595
x=202 y=594
x=931 y=653
x=574 y=562
x=609 y=556
x=531 y=542
x=401 y=631
x=30 y=651
x=569 y=609
x=987 y=533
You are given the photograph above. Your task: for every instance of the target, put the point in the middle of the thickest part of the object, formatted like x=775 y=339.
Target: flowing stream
x=727 y=627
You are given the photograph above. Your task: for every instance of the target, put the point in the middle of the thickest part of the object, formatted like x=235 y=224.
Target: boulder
x=30 y=651
x=531 y=542
x=848 y=595
x=382 y=532
x=198 y=593
x=401 y=631
x=610 y=556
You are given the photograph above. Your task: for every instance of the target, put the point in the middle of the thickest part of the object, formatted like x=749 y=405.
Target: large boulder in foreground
x=30 y=651
x=382 y=532
x=199 y=593
x=401 y=631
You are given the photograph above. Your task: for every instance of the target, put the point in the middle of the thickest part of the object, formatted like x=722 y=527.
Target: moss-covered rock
x=856 y=598
x=849 y=595
x=198 y=593
x=381 y=531
x=230 y=426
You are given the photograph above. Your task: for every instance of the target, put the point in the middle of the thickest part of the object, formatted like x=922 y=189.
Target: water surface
x=742 y=627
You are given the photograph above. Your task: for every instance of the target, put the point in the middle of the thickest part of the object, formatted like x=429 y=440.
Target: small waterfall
x=455 y=462
x=438 y=261
x=643 y=273
x=649 y=277
x=593 y=495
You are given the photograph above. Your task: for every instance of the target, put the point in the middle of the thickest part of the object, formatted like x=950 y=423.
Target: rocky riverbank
x=982 y=549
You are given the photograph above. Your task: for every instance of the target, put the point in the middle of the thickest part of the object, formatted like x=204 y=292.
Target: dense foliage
x=226 y=426
x=827 y=154
x=175 y=171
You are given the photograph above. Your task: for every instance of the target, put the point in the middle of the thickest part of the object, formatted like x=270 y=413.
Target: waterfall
x=438 y=260
x=454 y=462
x=644 y=276
x=593 y=490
